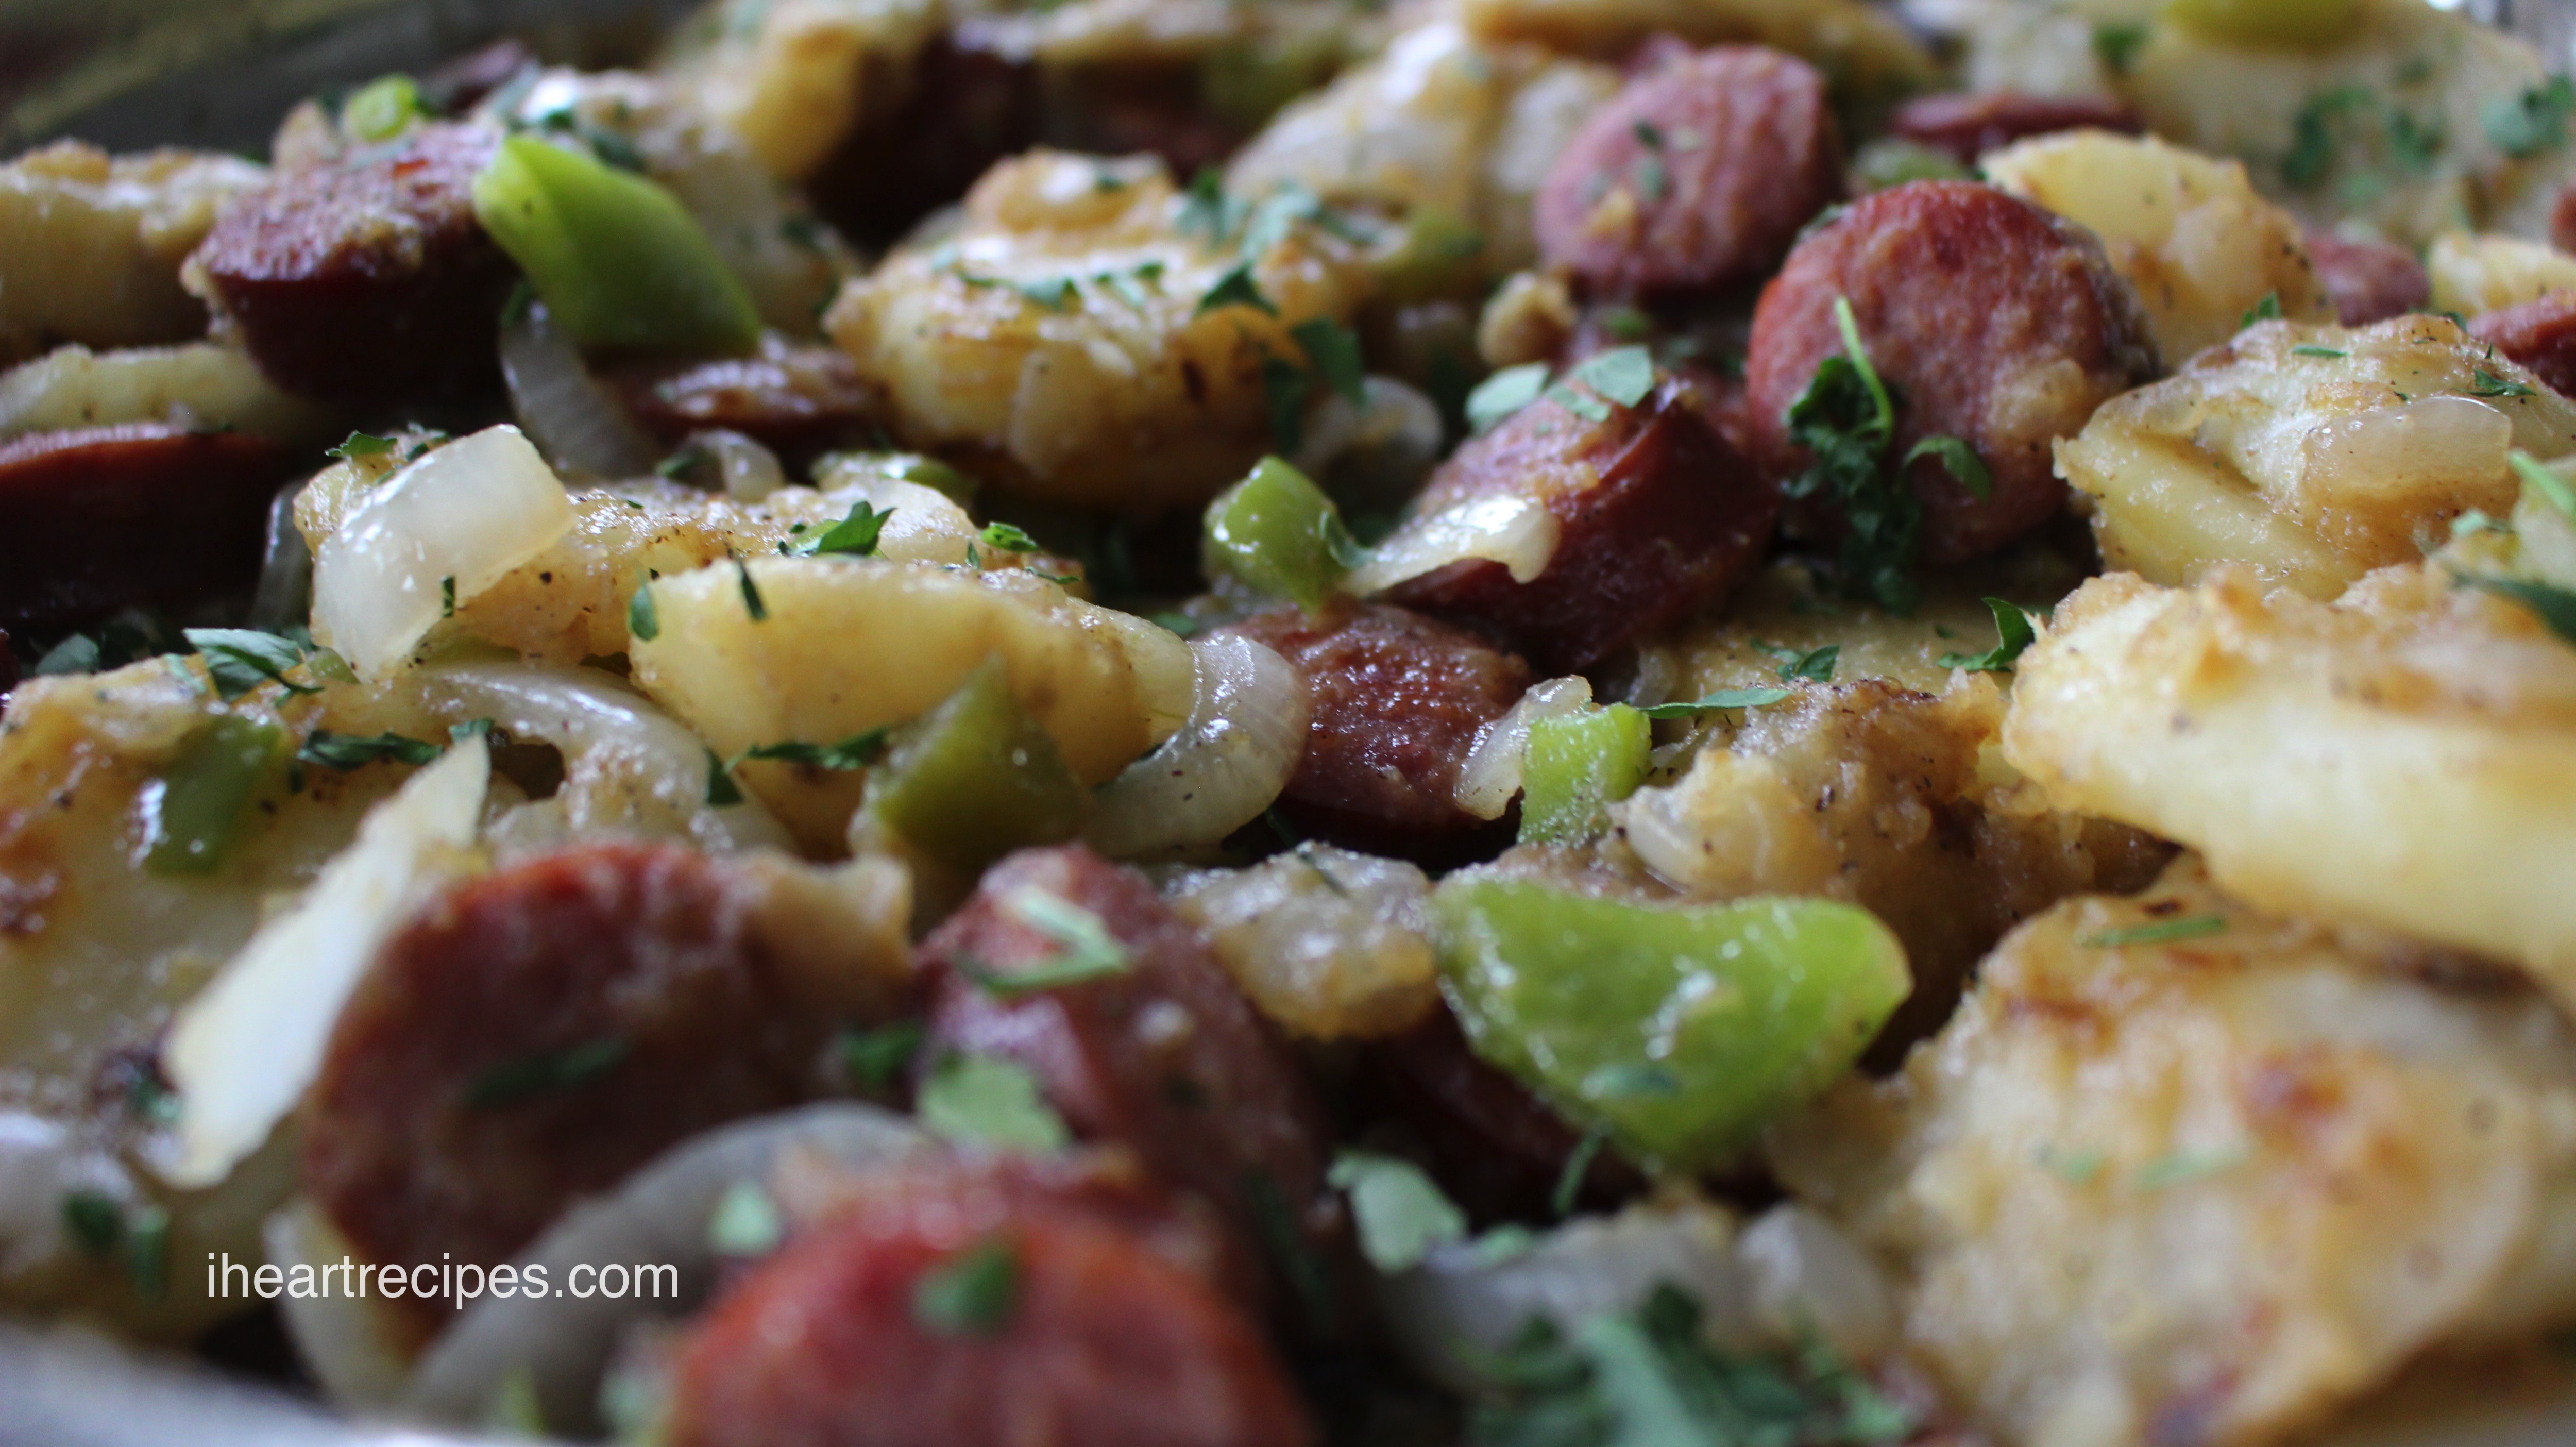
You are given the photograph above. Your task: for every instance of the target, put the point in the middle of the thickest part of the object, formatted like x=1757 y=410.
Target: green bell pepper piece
x=976 y=778
x=616 y=259
x=1279 y=534
x=204 y=791
x=1679 y=1032
x=1576 y=767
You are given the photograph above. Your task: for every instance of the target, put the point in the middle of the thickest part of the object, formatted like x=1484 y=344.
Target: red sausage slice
x=1495 y=1147
x=1395 y=701
x=1968 y=126
x=1657 y=517
x=2541 y=335
x=2370 y=281
x=144 y=513
x=797 y=400
x=1164 y=1056
x=1084 y=1333
x=1697 y=175
x=367 y=278
x=1995 y=323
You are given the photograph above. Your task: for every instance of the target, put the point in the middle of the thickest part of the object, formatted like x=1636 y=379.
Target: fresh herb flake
x=447 y=596
x=972 y=1293
x=1959 y=460
x=95 y=1220
x=2534 y=121
x=643 y=619
x=1285 y=386
x=241 y=659
x=989 y=1101
x=2555 y=606
x=1624 y=374
x=2331 y=354
x=2117 y=45
x=858 y=751
x=2075 y=1168
x=1817 y=667
x=2158 y=932
x=2488 y=384
x=548 y=1072
x=343 y=752
x=875 y=1058
x=745 y=1222
x=361 y=444
x=722 y=791
x=1400 y=1211
x=751 y=600
x=2539 y=477
x=1578 y=1165
x=1004 y=538
x=2266 y=310
x=1235 y=288
x=1333 y=356
x=2184 y=1167
x=1846 y=420
x=853 y=536
x=1725 y=698
x=2013 y=634
x=1504 y=393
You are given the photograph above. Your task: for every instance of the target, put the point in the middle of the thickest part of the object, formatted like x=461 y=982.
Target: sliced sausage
x=2562 y=219
x=1164 y=1055
x=1084 y=1332
x=1993 y=321
x=1496 y=1148
x=1969 y=125
x=966 y=109
x=1657 y=517
x=536 y=1034
x=799 y=401
x=2539 y=334
x=1697 y=175
x=2370 y=281
x=140 y=514
x=1394 y=702
x=367 y=278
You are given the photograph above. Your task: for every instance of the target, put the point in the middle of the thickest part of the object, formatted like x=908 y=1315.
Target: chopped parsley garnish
x=1816 y=666
x=1333 y=357
x=2555 y=606
x=95 y=1220
x=1401 y=1212
x=722 y=791
x=1959 y=460
x=972 y=1293
x=2332 y=354
x=2266 y=310
x=361 y=444
x=241 y=659
x=1846 y=419
x=2158 y=932
x=1207 y=210
x=1086 y=948
x=344 y=752
x=643 y=619
x=447 y=596
x=745 y=1222
x=2013 y=634
x=989 y=1101
x=2312 y=134
x=751 y=600
x=857 y=751
x=1504 y=393
x=2182 y=1167
x=1235 y=288
x=147 y=1251
x=1625 y=323
x=2534 y=121
x=473 y=728
x=1004 y=538
x=1725 y=698
x=1284 y=388
x=1275 y=1227
x=2543 y=479
x=2076 y=1167
x=548 y=1072
x=1624 y=375
x=680 y=463
x=874 y=1058
x=1578 y=1165
x=1652 y=178
x=2117 y=45
x=853 y=536
x=2488 y=384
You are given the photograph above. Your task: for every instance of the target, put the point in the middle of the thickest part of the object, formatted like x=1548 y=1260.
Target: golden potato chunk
x=2179 y=1171
x=198 y=385
x=2473 y=274
x=792 y=77
x=2311 y=454
x=2404 y=757
x=2186 y=230
x=1083 y=343
x=90 y=246
x=1330 y=944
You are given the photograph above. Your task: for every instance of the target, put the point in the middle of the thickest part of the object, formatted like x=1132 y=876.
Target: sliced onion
x=1491 y=775
x=1245 y=734
x=1517 y=532
x=457 y=519
x=1807 y=1276
x=575 y=419
x=1377 y=452
x=750 y=471
x=628 y=768
x=352 y=1344
x=658 y=1215
x=242 y=1051
x=284 y=598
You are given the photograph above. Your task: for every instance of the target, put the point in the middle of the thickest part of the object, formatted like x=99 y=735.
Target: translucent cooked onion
x=1517 y=532
x=351 y=1344
x=1375 y=452
x=242 y=1051
x=628 y=768
x=750 y=471
x=575 y=420
x=658 y=1215
x=1491 y=775
x=284 y=598
x=443 y=529
x=1245 y=733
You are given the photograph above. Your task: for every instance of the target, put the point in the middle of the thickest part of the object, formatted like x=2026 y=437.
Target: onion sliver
x=242 y=1051
x=445 y=528
x=1245 y=734
x=575 y=420
x=1491 y=776
x=658 y=1215
x=1517 y=532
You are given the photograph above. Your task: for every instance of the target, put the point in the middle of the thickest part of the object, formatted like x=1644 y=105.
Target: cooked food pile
x=1529 y=723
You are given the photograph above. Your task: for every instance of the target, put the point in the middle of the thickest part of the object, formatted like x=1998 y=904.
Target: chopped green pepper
x=1576 y=767
x=976 y=778
x=382 y=109
x=1278 y=533
x=203 y=793
x=617 y=260
x=1678 y=1031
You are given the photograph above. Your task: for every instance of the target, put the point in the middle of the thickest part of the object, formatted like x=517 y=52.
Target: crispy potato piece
x=198 y=385
x=1061 y=334
x=2231 y=1180
x=1328 y=943
x=2473 y=274
x=2311 y=467
x=848 y=644
x=90 y=246
x=2187 y=230
x=792 y=78
x=2405 y=757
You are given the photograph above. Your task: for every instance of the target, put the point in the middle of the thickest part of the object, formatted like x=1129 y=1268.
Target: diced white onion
x=1384 y=447
x=750 y=471
x=1808 y=1276
x=575 y=420
x=1245 y=734
x=1517 y=532
x=241 y=1053
x=353 y=1345
x=1491 y=776
x=464 y=514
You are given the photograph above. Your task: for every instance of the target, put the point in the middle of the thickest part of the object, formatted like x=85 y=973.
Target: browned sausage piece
x=2540 y=334
x=139 y=514
x=367 y=278
x=976 y=1304
x=1495 y=1147
x=1656 y=515
x=1994 y=322
x=797 y=400
x=1696 y=175
x=2562 y=219
x=1163 y=1056
x=536 y=1034
x=966 y=109
x=1394 y=703
x=1969 y=125
x=2370 y=281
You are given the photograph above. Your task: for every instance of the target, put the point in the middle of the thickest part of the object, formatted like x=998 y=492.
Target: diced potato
x=1064 y=333
x=90 y=246
x=793 y=77
x=1330 y=944
x=1865 y=48
x=2311 y=454
x=2473 y=274
x=2187 y=230
x=848 y=644
x=1141 y=34
x=2237 y=1177
x=2405 y=757
x=200 y=385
